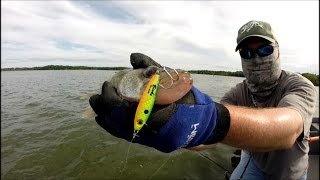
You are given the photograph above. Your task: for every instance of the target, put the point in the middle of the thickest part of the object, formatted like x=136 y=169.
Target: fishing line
x=160 y=166
x=125 y=163
x=204 y=156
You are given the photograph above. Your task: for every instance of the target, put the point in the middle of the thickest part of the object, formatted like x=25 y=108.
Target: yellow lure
x=146 y=103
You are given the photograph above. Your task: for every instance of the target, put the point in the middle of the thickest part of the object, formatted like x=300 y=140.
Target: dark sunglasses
x=262 y=51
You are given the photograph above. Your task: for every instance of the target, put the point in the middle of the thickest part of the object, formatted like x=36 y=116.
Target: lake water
x=44 y=136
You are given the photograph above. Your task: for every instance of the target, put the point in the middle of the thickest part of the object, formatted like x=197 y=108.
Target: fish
x=130 y=84
x=146 y=103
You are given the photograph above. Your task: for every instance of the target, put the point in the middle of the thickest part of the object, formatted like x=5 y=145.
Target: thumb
x=110 y=96
x=96 y=104
x=139 y=60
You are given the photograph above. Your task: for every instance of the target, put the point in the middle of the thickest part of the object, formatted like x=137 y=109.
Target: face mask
x=262 y=73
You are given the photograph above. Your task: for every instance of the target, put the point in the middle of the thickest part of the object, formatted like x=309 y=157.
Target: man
x=268 y=114
x=266 y=85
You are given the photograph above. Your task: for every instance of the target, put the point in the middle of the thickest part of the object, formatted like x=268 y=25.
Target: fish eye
x=146 y=111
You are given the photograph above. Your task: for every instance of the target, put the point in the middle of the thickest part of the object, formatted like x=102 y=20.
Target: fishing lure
x=146 y=103
x=144 y=108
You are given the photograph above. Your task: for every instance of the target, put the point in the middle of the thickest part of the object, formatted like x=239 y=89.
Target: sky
x=191 y=35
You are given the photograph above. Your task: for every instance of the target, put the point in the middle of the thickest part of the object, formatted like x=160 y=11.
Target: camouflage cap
x=255 y=28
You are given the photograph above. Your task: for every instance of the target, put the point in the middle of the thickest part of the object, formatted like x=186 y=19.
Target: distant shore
x=312 y=77
x=61 y=67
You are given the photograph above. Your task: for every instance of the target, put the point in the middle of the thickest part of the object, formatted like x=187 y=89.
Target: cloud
x=179 y=34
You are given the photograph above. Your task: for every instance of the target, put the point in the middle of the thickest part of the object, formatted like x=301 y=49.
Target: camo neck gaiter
x=262 y=73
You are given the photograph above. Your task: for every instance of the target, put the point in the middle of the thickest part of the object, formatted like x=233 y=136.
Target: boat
x=313 y=170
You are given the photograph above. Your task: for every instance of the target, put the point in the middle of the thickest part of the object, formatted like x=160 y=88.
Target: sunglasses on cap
x=262 y=51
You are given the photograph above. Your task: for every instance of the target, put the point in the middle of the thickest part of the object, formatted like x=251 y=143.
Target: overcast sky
x=179 y=34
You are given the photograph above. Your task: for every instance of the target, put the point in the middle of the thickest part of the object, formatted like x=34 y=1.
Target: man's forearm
x=263 y=129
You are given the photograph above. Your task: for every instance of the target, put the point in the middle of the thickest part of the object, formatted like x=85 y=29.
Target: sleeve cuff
x=222 y=125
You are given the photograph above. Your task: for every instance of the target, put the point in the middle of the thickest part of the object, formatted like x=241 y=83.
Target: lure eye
x=146 y=111
x=140 y=121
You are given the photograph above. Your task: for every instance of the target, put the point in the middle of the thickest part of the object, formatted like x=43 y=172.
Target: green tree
x=312 y=77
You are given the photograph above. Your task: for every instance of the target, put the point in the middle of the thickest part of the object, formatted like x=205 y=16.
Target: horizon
x=131 y=67
x=105 y=33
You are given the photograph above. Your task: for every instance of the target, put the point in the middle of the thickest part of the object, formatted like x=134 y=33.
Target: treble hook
x=172 y=79
x=164 y=68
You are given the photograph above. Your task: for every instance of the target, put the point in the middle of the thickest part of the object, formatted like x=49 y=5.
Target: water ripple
x=43 y=135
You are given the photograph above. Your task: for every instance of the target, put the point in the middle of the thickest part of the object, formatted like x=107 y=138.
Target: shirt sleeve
x=231 y=96
x=300 y=94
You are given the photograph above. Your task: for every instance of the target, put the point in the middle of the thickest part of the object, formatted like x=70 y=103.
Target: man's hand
x=188 y=122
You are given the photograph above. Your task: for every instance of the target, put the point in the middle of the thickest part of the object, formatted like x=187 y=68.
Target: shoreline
x=312 y=77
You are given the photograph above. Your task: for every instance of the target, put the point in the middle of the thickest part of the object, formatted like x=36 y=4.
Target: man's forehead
x=253 y=40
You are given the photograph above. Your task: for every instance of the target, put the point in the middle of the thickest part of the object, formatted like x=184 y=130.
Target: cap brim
x=256 y=35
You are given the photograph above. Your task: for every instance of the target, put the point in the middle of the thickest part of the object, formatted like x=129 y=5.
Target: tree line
x=220 y=73
x=312 y=77
x=62 y=67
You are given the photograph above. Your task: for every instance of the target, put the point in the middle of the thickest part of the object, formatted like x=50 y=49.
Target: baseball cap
x=255 y=28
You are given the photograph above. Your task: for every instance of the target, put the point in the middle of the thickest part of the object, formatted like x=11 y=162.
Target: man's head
x=255 y=29
x=259 y=52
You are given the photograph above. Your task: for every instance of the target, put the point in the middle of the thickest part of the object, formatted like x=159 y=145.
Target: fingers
x=115 y=128
x=162 y=113
x=139 y=60
x=96 y=104
x=160 y=116
x=109 y=94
